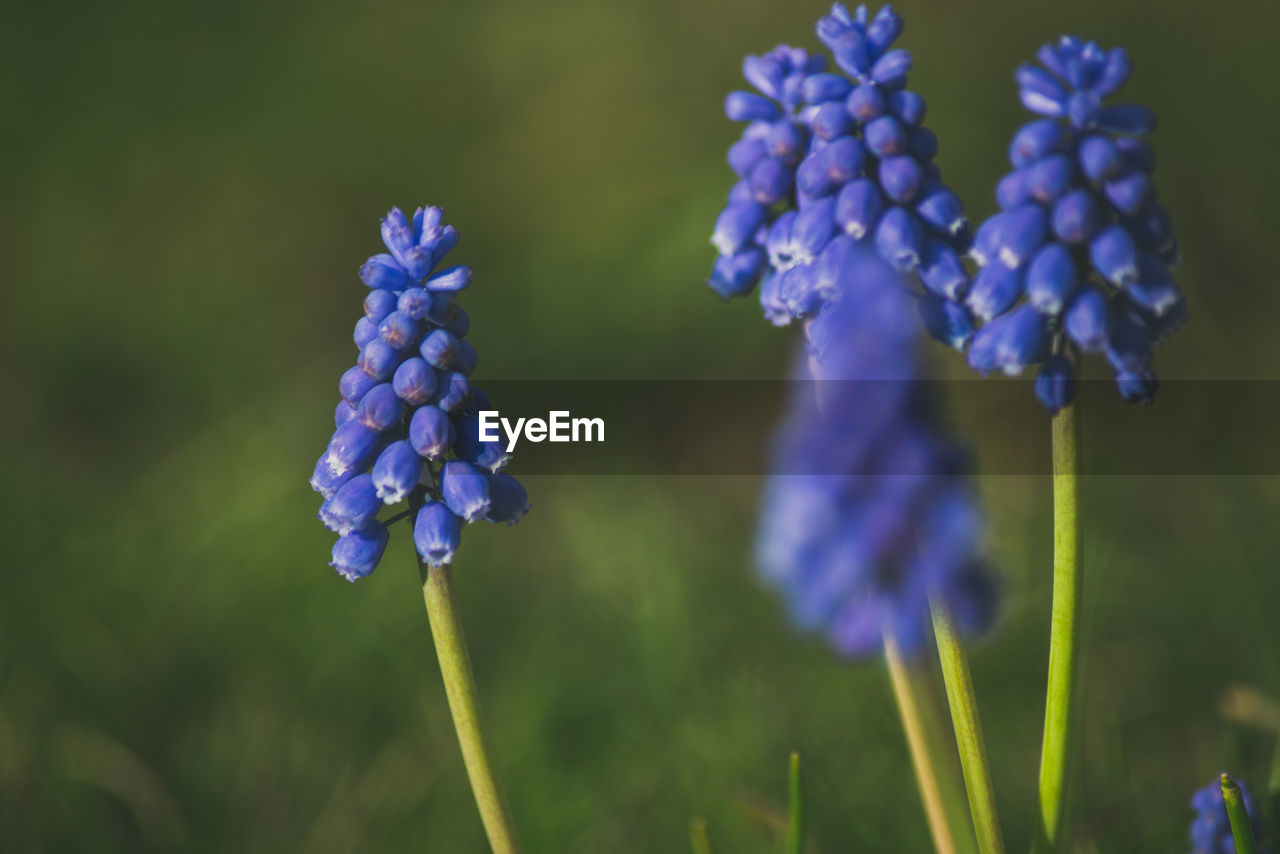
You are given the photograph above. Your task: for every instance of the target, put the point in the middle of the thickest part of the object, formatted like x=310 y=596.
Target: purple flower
x=1082 y=228
x=853 y=136
x=405 y=406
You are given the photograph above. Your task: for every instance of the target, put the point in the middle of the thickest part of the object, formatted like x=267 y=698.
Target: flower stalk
x=460 y=688
x=973 y=750
x=941 y=790
x=1241 y=828
x=1064 y=636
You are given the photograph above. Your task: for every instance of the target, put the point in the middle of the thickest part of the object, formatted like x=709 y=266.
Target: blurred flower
x=1078 y=258
x=408 y=411
x=828 y=159
x=870 y=513
x=1211 y=829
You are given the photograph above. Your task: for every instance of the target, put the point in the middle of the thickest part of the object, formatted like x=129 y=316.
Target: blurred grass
x=188 y=192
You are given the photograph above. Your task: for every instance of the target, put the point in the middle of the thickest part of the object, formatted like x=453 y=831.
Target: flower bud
x=1049 y=178
x=748 y=106
x=414 y=303
x=890 y=70
x=831 y=120
x=465 y=490
x=366 y=330
x=1024 y=229
x=994 y=291
x=379 y=359
x=745 y=153
x=899 y=239
x=1013 y=191
x=343 y=413
x=396 y=472
x=1114 y=256
x=866 y=102
x=735 y=227
x=352 y=507
x=942 y=271
x=398 y=330
x=736 y=275
x=378 y=304
x=885 y=136
x=786 y=141
x=1130 y=193
x=1010 y=342
x=884 y=28
x=380 y=409
x=941 y=208
x=439 y=348
x=436 y=534
x=812 y=229
x=357 y=554
x=453 y=392
x=947 y=321
x=1077 y=217
x=383 y=272
x=414 y=381
x=326 y=480
x=1051 y=279
x=907 y=106
x=820 y=88
x=1100 y=159
x=901 y=178
x=489 y=455
x=431 y=432
x=1088 y=319
x=1056 y=383
x=858 y=207
x=770 y=181
x=354 y=385
x=508 y=500
x=450 y=280
x=352 y=447
x=1035 y=140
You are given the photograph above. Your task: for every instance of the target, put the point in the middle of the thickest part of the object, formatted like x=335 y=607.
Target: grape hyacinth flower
x=1211 y=829
x=871 y=514
x=406 y=427
x=1078 y=259
x=829 y=160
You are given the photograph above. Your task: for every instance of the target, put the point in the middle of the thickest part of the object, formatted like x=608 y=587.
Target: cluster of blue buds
x=829 y=160
x=407 y=425
x=871 y=514
x=1211 y=829
x=1079 y=256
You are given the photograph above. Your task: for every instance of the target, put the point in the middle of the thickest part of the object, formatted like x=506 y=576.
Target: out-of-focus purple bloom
x=870 y=514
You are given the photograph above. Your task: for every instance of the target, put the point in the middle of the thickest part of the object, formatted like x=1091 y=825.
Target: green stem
x=1241 y=829
x=460 y=688
x=941 y=791
x=973 y=750
x=795 y=820
x=698 y=839
x=1064 y=636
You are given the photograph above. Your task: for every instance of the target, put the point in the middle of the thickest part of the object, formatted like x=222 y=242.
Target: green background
x=187 y=192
